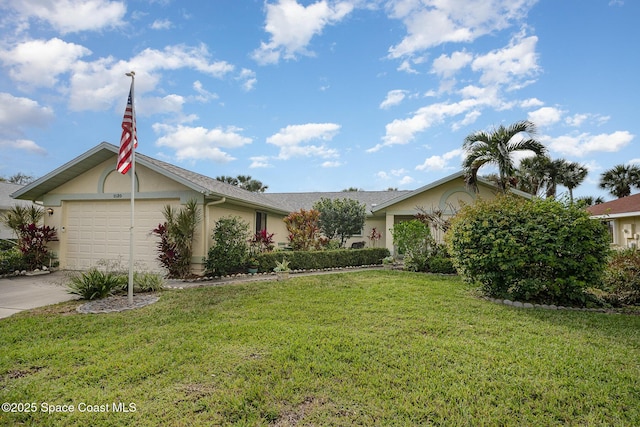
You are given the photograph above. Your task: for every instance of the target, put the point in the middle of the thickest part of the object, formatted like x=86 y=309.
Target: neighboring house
x=89 y=204
x=623 y=218
x=6 y=204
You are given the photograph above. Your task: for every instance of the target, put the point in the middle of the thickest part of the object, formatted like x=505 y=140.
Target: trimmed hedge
x=316 y=260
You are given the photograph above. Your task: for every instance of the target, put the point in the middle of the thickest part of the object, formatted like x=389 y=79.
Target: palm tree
x=244 y=182
x=497 y=147
x=572 y=176
x=619 y=180
x=531 y=175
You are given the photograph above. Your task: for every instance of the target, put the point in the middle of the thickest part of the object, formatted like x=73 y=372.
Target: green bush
x=413 y=240
x=440 y=264
x=529 y=250
x=622 y=277
x=95 y=284
x=230 y=249
x=12 y=260
x=317 y=260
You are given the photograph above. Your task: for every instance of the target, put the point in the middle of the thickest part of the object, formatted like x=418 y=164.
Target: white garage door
x=97 y=231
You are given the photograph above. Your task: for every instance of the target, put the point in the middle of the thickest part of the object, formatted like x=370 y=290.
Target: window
x=609 y=225
x=261 y=221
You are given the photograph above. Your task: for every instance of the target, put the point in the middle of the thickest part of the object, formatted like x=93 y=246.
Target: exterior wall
x=625 y=231
x=92 y=211
x=448 y=197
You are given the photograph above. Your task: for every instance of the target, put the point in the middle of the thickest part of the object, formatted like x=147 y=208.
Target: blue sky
x=318 y=95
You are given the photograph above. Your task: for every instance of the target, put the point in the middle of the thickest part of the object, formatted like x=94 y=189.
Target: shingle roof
x=297 y=201
x=6 y=201
x=619 y=206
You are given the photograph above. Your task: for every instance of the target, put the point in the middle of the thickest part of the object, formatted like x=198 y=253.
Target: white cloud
x=446 y=66
x=259 y=162
x=406 y=180
x=438 y=163
x=403 y=131
x=331 y=164
x=39 y=63
x=394 y=97
x=545 y=116
x=197 y=143
x=578 y=119
x=18 y=114
x=512 y=66
x=161 y=24
x=291 y=140
x=585 y=143
x=248 y=79
x=99 y=84
x=292 y=26
x=203 y=94
x=531 y=102
x=431 y=23
x=22 y=144
x=69 y=16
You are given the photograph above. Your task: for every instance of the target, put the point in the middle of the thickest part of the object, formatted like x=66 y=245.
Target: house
x=6 y=204
x=88 y=202
x=623 y=218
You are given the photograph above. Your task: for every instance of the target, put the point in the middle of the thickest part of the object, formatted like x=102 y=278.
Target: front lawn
x=366 y=348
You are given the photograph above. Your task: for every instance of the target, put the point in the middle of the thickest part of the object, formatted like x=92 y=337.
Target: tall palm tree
x=572 y=176
x=531 y=175
x=619 y=180
x=497 y=147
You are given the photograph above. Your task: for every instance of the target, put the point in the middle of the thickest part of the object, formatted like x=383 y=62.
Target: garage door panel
x=98 y=231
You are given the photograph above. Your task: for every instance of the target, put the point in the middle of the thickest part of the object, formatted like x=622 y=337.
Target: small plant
x=282 y=266
x=147 y=282
x=261 y=242
x=95 y=284
x=230 y=246
x=622 y=277
x=388 y=261
x=374 y=236
x=282 y=269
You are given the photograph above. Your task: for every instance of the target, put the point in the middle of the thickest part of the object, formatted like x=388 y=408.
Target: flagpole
x=132 y=74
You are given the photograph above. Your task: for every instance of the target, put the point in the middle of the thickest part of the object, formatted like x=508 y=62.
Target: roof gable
x=446 y=179
x=104 y=151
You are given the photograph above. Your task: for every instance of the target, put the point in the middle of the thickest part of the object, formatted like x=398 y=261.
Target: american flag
x=129 y=138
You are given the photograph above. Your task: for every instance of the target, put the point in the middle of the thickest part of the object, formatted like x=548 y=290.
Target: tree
x=620 y=179
x=340 y=218
x=585 y=201
x=245 y=182
x=352 y=189
x=497 y=148
x=531 y=175
x=573 y=175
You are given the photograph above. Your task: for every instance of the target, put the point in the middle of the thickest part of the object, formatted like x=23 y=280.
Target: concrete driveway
x=26 y=292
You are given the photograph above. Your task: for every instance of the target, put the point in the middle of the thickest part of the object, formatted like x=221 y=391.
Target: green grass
x=367 y=348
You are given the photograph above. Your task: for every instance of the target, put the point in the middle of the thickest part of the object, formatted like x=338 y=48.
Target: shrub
x=529 y=250
x=95 y=284
x=413 y=240
x=33 y=244
x=315 y=260
x=230 y=248
x=176 y=238
x=440 y=264
x=11 y=260
x=622 y=277
x=303 y=229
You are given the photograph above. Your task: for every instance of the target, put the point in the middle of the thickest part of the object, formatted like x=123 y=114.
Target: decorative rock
x=553 y=307
x=517 y=304
x=527 y=305
x=507 y=302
